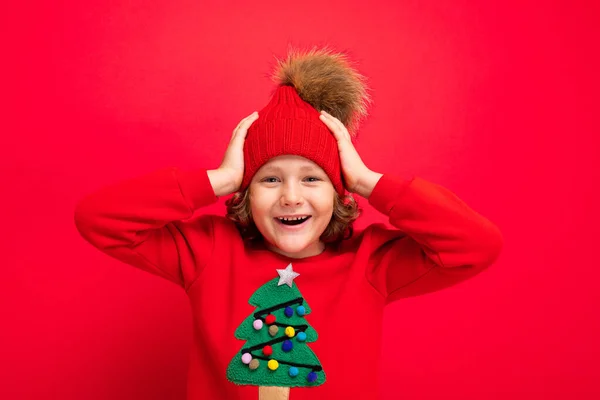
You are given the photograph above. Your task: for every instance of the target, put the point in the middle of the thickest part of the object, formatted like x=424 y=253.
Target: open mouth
x=293 y=221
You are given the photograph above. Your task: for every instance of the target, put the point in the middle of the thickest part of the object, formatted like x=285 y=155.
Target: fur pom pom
x=327 y=81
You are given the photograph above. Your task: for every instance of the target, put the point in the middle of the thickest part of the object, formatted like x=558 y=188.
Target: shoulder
x=214 y=226
x=371 y=237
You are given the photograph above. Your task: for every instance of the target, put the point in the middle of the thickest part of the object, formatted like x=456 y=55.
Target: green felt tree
x=276 y=351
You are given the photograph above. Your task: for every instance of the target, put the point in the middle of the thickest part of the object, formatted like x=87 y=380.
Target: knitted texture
x=288 y=125
x=289 y=349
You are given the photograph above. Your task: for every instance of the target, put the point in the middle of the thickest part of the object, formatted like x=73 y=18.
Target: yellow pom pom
x=273 y=365
x=290 y=332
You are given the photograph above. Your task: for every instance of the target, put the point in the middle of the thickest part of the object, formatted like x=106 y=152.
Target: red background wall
x=495 y=101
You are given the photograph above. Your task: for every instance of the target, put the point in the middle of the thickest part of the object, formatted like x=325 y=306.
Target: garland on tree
x=262 y=333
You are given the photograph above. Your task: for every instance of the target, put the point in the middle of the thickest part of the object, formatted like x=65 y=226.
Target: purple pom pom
x=312 y=377
x=289 y=311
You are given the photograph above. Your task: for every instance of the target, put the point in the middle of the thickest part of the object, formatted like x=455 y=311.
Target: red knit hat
x=290 y=125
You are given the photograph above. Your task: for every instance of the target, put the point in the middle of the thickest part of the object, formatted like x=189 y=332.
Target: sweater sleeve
x=142 y=222
x=437 y=242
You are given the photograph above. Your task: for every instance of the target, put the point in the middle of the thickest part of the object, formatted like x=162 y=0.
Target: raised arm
x=437 y=242
x=141 y=222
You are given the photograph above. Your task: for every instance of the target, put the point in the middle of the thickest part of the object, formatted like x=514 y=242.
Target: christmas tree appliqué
x=276 y=334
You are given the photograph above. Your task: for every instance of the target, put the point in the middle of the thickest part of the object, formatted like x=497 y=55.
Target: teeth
x=292 y=218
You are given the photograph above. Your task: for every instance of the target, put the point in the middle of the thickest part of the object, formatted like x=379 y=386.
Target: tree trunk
x=273 y=393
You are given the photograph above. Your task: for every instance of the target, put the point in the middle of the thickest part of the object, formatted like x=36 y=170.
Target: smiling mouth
x=293 y=221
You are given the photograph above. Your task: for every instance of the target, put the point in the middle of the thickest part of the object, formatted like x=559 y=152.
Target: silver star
x=287 y=275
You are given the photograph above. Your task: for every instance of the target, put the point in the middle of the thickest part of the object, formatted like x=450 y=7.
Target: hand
x=358 y=178
x=228 y=177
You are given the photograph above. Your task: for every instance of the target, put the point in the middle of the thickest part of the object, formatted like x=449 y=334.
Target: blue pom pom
x=312 y=377
x=287 y=346
x=293 y=371
x=301 y=310
x=289 y=311
x=301 y=336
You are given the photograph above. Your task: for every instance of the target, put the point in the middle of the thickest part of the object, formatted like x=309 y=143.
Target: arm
x=438 y=241
x=141 y=221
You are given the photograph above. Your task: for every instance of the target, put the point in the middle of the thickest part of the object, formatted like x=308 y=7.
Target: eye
x=269 y=179
x=313 y=179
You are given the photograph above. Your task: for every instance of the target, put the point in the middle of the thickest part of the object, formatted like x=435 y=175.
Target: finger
x=238 y=126
x=331 y=126
x=254 y=114
x=342 y=128
x=337 y=128
x=244 y=124
x=339 y=124
x=242 y=130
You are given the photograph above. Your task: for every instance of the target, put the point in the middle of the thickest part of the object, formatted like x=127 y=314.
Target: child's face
x=292 y=186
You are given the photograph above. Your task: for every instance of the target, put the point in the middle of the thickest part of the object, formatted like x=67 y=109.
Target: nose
x=291 y=195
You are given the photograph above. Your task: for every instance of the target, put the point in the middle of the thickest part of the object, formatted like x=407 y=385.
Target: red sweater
x=149 y=223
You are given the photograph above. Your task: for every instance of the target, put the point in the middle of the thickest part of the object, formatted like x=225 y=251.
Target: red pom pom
x=267 y=350
x=270 y=319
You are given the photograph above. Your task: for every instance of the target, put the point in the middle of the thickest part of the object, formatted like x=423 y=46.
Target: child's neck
x=313 y=250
